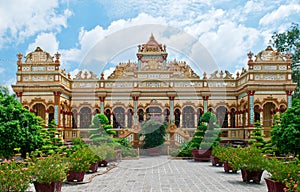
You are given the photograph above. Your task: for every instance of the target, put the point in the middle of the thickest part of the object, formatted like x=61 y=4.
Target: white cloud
x=90 y=39
x=280 y=14
x=108 y=71
x=46 y=41
x=22 y=19
x=2 y=70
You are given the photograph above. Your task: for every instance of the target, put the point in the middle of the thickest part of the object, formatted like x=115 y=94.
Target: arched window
x=282 y=109
x=74 y=118
x=50 y=114
x=129 y=118
x=39 y=110
x=232 y=117
x=96 y=111
x=188 y=117
x=177 y=117
x=107 y=113
x=119 y=117
x=222 y=117
x=85 y=117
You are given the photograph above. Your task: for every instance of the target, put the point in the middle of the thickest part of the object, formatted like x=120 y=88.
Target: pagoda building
x=154 y=86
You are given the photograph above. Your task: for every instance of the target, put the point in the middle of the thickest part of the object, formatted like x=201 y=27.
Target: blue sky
x=227 y=29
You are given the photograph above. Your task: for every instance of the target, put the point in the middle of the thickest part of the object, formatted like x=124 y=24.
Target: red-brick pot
x=255 y=176
x=48 y=187
x=274 y=186
x=75 y=176
x=93 y=167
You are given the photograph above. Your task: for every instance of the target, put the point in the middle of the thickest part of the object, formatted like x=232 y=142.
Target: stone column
x=205 y=103
x=102 y=99
x=171 y=103
x=56 y=108
x=289 y=98
x=251 y=108
x=180 y=119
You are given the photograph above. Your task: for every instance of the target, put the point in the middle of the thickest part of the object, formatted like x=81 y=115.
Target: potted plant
x=283 y=175
x=251 y=161
x=153 y=131
x=15 y=176
x=49 y=172
x=216 y=154
x=226 y=155
x=205 y=137
x=80 y=162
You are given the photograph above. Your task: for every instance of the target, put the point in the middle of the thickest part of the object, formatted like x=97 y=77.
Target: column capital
x=289 y=92
x=205 y=98
x=57 y=93
x=19 y=94
x=251 y=93
x=135 y=98
x=171 y=98
x=102 y=99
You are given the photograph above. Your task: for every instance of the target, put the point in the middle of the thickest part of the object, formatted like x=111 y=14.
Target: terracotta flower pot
x=102 y=163
x=48 y=187
x=228 y=168
x=75 y=176
x=93 y=167
x=255 y=176
x=274 y=186
x=201 y=154
x=215 y=161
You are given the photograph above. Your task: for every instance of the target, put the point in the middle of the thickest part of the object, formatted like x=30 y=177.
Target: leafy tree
x=205 y=136
x=257 y=137
x=101 y=133
x=53 y=142
x=19 y=128
x=289 y=41
x=286 y=133
x=154 y=132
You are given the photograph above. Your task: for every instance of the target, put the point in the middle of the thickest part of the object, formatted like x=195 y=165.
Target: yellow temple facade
x=155 y=86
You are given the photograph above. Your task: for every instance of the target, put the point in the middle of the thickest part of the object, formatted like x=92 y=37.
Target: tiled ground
x=165 y=175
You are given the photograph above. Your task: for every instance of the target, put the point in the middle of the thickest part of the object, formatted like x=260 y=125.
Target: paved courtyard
x=160 y=174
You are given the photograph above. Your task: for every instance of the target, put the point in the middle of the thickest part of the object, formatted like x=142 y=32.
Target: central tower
x=152 y=56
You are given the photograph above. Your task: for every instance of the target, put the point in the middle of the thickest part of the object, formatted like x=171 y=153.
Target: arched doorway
x=74 y=118
x=107 y=113
x=199 y=114
x=188 y=117
x=256 y=113
x=177 y=117
x=141 y=115
x=222 y=116
x=50 y=114
x=119 y=117
x=85 y=117
x=166 y=115
x=39 y=110
x=129 y=118
x=267 y=114
x=232 y=117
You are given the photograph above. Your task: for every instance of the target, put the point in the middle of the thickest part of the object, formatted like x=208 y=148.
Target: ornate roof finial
x=250 y=55
x=57 y=56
